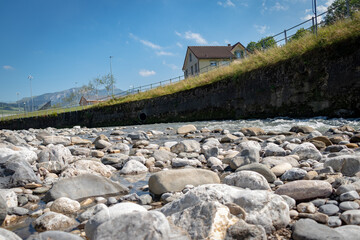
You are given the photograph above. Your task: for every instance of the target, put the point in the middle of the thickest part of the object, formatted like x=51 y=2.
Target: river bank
x=244 y=179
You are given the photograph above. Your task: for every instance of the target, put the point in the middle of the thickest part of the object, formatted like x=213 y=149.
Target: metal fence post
x=285 y=37
x=313 y=25
x=347 y=8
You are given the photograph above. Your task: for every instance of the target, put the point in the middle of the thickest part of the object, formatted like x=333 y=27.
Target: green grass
x=342 y=30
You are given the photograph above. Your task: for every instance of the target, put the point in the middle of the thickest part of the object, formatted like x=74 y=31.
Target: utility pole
x=315 y=12
x=112 y=82
x=32 y=100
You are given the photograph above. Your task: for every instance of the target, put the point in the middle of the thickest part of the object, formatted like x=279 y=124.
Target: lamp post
x=17 y=97
x=111 y=76
x=315 y=12
x=32 y=100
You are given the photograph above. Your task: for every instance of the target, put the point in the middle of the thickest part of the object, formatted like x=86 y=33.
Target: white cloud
x=177 y=33
x=307 y=17
x=279 y=7
x=146 y=73
x=145 y=42
x=227 y=41
x=320 y=9
x=196 y=37
x=170 y=65
x=179 y=45
x=261 y=29
x=8 y=67
x=163 y=53
x=227 y=3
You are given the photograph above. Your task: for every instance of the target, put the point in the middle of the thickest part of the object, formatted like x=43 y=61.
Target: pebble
x=329 y=209
x=348 y=205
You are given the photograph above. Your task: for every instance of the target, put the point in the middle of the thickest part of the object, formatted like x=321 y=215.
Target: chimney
x=229 y=45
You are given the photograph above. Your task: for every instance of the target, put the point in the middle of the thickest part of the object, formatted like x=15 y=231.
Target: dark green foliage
x=338 y=10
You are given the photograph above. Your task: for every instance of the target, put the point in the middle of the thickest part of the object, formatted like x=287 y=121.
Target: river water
x=321 y=124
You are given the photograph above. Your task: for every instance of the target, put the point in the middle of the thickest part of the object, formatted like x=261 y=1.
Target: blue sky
x=67 y=43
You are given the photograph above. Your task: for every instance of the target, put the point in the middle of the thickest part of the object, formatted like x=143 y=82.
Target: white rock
x=65 y=205
x=247 y=179
x=133 y=167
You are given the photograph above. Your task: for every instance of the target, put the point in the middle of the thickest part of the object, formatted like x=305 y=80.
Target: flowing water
x=321 y=124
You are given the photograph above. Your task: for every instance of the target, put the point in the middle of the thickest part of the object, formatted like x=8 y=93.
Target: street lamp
x=17 y=97
x=112 y=83
x=32 y=100
x=314 y=11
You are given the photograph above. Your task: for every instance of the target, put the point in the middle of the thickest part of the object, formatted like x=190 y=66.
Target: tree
x=338 y=10
x=251 y=47
x=70 y=99
x=299 y=34
x=108 y=81
x=265 y=43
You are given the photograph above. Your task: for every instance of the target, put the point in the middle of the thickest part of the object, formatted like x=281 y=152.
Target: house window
x=190 y=57
x=239 y=54
x=192 y=70
x=213 y=63
x=196 y=68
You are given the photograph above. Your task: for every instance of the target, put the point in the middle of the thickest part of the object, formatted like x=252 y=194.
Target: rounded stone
x=334 y=221
x=329 y=209
x=348 y=205
x=65 y=205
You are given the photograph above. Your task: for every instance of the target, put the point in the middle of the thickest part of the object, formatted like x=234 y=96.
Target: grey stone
x=101 y=144
x=10 y=197
x=83 y=186
x=204 y=220
x=54 y=235
x=349 y=232
x=349 y=196
x=54 y=221
x=122 y=147
x=246 y=156
x=244 y=231
x=272 y=149
x=247 y=179
x=186 y=146
x=138 y=225
x=3 y=209
x=80 y=152
x=163 y=155
x=140 y=135
x=57 y=153
x=16 y=171
x=213 y=161
x=348 y=165
x=334 y=221
x=176 y=180
x=116 y=158
x=52 y=166
x=344 y=206
x=112 y=200
x=180 y=162
x=329 y=209
x=293 y=174
x=66 y=141
x=91 y=211
x=65 y=205
x=261 y=207
x=273 y=161
x=103 y=215
x=259 y=168
x=20 y=211
x=252 y=131
x=319 y=202
x=351 y=217
x=305 y=189
x=86 y=167
x=145 y=199
x=302 y=129
x=133 y=167
x=22 y=200
x=308 y=229
x=8 y=235
x=186 y=129
x=307 y=151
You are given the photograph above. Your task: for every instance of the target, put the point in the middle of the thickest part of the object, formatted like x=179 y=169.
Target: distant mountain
x=58 y=98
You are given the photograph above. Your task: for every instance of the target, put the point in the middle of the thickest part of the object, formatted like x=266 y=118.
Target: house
x=199 y=59
x=89 y=101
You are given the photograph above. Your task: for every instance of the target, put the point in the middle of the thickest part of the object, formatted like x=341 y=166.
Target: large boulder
x=261 y=207
x=26 y=154
x=86 y=166
x=104 y=214
x=205 y=220
x=16 y=172
x=176 y=180
x=138 y=225
x=348 y=165
x=305 y=189
x=307 y=151
x=306 y=229
x=54 y=221
x=83 y=186
x=57 y=153
x=259 y=168
x=8 y=235
x=247 y=179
